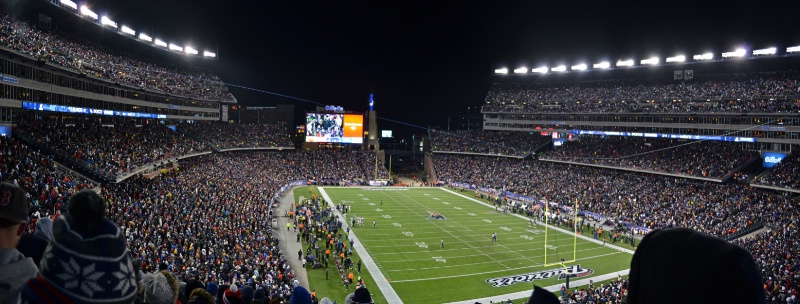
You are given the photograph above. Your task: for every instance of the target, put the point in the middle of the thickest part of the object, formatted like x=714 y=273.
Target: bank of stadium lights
x=69 y=4
x=540 y=70
x=108 y=22
x=650 y=61
x=625 y=63
x=160 y=43
x=145 y=37
x=765 y=52
x=175 y=47
x=213 y=55
x=521 y=70
x=679 y=58
x=190 y=50
x=702 y=57
x=560 y=68
x=737 y=53
x=496 y=71
x=602 y=65
x=128 y=31
x=579 y=67
x=85 y=11
x=793 y=49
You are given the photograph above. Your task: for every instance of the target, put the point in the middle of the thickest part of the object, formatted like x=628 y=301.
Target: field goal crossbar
x=561 y=261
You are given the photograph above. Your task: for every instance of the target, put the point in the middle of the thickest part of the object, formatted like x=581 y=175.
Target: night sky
x=426 y=60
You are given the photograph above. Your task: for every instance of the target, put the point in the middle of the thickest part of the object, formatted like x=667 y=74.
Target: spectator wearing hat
x=87 y=261
x=159 y=288
x=199 y=296
x=16 y=268
x=362 y=296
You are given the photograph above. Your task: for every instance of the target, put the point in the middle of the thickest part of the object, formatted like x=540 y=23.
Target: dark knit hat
x=300 y=296
x=13 y=205
x=87 y=261
x=684 y=266
x=362 y=296
x=212 y=288
x=247 y=293
x=191 y=285
x=542 y=296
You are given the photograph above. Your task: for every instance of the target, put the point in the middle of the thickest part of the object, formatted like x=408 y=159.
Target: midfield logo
x=575 y=271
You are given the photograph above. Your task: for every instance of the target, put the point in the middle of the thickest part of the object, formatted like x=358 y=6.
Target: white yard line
x=380 y=280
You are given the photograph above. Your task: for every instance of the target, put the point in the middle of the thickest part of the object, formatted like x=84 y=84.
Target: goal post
x=560 y=260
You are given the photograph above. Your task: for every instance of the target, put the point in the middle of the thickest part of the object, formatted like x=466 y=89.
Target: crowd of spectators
x=230 y=136
x=640 y=199
x=613 y=292
x=710 y=159
x=770 y=93
x=106 y=64
x=114 y=147
x=785 y=175
x=46 y=186
x=776 y=254
x=486 y=142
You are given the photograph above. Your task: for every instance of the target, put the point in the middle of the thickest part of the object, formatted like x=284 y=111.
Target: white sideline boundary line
x=380 y=280
x=551 y=288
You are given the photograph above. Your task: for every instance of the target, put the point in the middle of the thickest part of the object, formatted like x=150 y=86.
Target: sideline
x=380 y=280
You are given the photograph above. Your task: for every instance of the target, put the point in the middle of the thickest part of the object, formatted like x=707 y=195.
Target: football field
x=416 y=258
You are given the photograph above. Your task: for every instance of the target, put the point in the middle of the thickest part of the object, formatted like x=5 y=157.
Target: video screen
x=334 y=128
x=386 y=133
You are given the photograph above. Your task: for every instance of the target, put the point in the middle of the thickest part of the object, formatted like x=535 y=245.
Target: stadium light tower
x=161 y=43
x=602 y=65
x=501 y=71
x=521 y=70
x=106 y=21
x=765 y=52
x=650 y=61
x=189 y=50
x=213 y=55
x=702 y=57
x=69 y=4
x=793 y=49
x=540 y=70
x=85 y=11
x=579 y=67
x=128 y=31
x=679 y=58
x=625 y=63
x=560 y=68
x=738 y=53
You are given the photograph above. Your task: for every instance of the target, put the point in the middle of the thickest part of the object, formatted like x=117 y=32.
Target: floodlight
x=540 y=70
x=160 y=43
x=559 y=68
x=212 y=55
x=767 y=51
x=521 y=70
x=793 y=49
x=129 y=31
x=679 y=58
x=737 y=53
x=88 y=13
x=175 y=47
x=189 y=50
x=602 y=65
x=496 y=71
x=706 y=56
x=625 y=63
x=144 y=37
x=580 y=67
x=106 y=21
x=69 y=3
x=650 y=61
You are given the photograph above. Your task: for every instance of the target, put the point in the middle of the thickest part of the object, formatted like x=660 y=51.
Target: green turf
x=405 y=244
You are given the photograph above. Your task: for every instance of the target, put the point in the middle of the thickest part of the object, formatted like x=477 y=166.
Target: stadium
x=136 y=169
